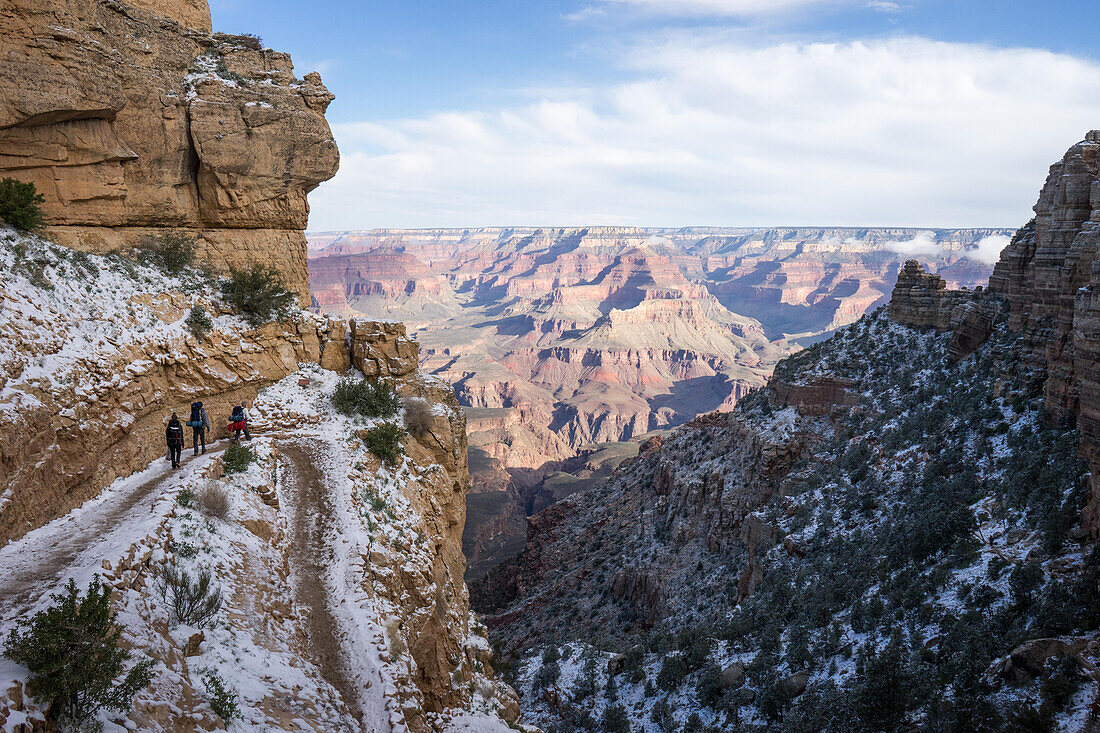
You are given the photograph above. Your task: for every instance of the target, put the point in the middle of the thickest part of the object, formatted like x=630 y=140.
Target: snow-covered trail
x=76 y=544
x=312 y=532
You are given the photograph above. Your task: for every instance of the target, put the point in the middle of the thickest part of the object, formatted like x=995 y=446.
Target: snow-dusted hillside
x=918 y=564
x=340 y=576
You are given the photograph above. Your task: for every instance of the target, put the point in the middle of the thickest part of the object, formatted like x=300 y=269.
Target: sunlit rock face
x=132 y=119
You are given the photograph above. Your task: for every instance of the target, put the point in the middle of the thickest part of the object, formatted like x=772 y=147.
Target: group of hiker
x=199 y=424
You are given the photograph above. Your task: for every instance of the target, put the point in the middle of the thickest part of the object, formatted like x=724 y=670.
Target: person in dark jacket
x=199 y=422
x=173 y=435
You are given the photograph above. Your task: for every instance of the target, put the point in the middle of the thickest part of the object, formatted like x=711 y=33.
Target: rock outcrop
x=1050 y=277
x=922 y=299
x=133 y=119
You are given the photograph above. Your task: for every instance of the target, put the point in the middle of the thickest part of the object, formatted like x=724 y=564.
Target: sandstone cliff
x=132 y=119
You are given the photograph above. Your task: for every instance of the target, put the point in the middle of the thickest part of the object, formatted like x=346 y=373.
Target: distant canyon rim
x=569 y=347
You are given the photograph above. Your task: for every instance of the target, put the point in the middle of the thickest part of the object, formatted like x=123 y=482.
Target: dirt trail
x=311 y=532
x=46 y=555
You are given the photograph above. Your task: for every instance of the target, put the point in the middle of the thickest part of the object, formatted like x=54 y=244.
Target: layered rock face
x=1050 y=276
x=89 y=379
x=132 y=119
x=558 y=339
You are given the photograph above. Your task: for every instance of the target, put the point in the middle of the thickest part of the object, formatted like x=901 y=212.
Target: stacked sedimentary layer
x=1050 y=276
x=132 y=119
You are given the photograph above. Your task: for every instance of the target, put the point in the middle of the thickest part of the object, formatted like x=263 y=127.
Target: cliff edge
x=133 y=118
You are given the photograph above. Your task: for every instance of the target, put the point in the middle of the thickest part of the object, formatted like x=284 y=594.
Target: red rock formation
x=816 y=397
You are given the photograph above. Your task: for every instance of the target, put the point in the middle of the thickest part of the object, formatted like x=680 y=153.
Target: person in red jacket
x=173 y=435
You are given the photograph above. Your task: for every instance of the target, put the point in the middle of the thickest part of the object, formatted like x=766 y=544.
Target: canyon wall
x=557 y=339
x=1050 y=276
x=133 y=120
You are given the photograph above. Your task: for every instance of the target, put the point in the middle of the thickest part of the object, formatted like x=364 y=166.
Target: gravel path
x=43 y=560
x=311 y=531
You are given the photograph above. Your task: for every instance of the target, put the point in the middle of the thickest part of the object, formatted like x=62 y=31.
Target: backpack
x=175 y=433
x=196 y=415
x=238 y=414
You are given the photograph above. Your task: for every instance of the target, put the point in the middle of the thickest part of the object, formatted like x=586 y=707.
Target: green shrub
x=368 y=399
x=384 y=441
x=223 y=701
x=172 y=252
x=21 y=205
x=614 y=720
x=237 y=458
x=185 y=498
x=198 y=321
x=258 y=293
x=72 y=650
x=673 y=670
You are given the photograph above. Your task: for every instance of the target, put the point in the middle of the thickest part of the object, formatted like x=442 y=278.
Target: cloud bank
x=714 y=130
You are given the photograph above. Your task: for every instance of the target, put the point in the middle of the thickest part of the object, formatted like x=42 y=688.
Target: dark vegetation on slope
x=927 y=537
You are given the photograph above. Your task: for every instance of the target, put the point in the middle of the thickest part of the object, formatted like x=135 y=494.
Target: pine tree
x=72 y=650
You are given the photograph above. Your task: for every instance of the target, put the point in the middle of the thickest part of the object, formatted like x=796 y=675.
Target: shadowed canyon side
x=898 y=531
x=559 y=340
x=134 y=119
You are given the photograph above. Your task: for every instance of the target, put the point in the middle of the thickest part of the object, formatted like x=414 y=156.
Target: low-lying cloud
x=711 y=129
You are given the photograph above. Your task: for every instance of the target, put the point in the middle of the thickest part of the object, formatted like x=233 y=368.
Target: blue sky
x=681 y=112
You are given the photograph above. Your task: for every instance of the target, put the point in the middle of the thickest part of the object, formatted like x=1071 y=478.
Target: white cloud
x=922 y=245
x=885 y=6
x=989 y=249
x=585 y=13
x=713 y=130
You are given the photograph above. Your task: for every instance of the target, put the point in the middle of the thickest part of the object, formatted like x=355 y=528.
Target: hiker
x=173 y=435
x=237 y=423
x=247 y=419
x=198 y=423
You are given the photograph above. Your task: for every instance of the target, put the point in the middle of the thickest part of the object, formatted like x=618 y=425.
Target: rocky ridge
x=133 y=119
x=1050 y=276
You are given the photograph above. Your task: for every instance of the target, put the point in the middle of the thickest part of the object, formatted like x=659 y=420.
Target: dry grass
x=214 y=500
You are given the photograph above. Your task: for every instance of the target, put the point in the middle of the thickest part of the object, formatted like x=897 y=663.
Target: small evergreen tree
x=172 y=252
x=614 y=720
x=223 y=701
x=21 y=205
x=198 y=321
x=237 y=458
x=258 y=293
x=384 y=441
x=354 y=397
x=72 y=649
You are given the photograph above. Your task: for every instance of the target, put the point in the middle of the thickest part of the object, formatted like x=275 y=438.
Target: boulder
x=795 y=684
